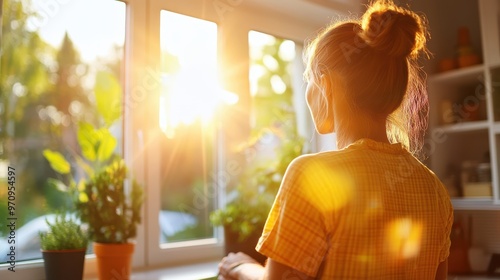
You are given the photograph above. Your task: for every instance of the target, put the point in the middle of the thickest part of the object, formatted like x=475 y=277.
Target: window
x=49 y=65
x=279 y=110
x=275 y=140
x=185 y=154
x=271 y=70
x=188 y=101
x=52 y=52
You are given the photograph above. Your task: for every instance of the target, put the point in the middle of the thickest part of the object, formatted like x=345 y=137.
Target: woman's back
x=384 y=215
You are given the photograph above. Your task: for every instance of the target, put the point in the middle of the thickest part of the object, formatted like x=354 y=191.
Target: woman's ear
x=319 y=99
x=328 y=121
x=326 y=85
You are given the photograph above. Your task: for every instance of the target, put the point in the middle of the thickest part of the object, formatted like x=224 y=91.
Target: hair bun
x=394 y=30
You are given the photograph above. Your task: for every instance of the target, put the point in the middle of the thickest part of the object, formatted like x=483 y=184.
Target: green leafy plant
x=251 y=199
x=100 y=196
x=111 y=211
x=96 y=142
x=64 y=234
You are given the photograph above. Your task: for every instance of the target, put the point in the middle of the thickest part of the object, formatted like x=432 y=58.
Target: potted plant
x=112 y=213
x=63 y=248
x=111 y=210
x=250 y=201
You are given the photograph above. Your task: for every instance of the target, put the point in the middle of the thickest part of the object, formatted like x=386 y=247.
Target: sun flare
x=190 y=90
x=404 y=237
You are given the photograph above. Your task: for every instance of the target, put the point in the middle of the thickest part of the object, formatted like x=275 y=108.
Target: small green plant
x=254 y=195
x=243 y=214
x=63 y=234
x=111 y=211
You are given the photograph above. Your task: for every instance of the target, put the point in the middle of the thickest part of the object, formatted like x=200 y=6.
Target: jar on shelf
x=484 y=172
x=468 y=172
x=475 y=179
x=447 y=116
x=466 y=55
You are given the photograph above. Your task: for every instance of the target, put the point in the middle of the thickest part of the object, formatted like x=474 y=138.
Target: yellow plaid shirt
x=369 y=211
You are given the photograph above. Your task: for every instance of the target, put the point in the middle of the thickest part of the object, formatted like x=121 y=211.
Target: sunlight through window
x=190 y=89
x=189 y=98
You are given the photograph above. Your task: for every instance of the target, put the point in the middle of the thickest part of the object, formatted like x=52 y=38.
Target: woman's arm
x=276 y=270
x=442 y=271
x=242 y=267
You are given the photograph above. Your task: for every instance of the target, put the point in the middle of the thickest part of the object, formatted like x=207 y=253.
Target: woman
x=370 y=210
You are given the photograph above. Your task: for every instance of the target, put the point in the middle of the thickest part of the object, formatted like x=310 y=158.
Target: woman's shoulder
x=314 y=162
x=329 y=157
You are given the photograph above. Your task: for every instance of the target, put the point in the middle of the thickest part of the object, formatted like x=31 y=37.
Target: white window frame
x=178 y=252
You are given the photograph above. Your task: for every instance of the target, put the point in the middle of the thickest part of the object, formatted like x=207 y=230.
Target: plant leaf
x=84 y=165
x=58 y=184
x=81 y=186
x=87 y=139
x=106 y=144
x=57 y=161
x=83 y=198
x=108 y=94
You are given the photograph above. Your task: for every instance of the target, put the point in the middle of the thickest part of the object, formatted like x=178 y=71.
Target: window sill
x=471 y=276
x=194 y=271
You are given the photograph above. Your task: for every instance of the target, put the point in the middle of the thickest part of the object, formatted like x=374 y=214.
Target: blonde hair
x=376 y=57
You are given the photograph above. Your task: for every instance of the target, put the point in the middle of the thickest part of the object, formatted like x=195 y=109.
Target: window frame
x=178 y=252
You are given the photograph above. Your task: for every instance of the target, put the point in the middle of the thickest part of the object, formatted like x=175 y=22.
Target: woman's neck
x=359 y=128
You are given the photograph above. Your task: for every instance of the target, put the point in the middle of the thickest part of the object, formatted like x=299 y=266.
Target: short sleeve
x=295 y=233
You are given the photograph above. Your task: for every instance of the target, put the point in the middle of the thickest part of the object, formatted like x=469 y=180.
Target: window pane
x=52 y=53
x=274 y=140
x=271 y=61
x=273 y=116
x=188 y=101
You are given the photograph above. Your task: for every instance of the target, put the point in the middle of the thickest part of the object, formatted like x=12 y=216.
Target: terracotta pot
x=113 y=260
x=63 y=265
x=232 y=244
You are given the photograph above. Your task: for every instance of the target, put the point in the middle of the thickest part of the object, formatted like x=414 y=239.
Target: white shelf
x=460 y=277
x=486 y=203
x=496 y=128
x=459 y=75
x=463 y=127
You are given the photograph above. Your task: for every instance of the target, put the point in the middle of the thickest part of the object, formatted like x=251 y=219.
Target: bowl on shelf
x=447 y=64
x=467 y=60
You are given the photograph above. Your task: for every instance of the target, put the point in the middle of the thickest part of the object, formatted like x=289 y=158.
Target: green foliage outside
x=40 y=85
x=272 y=110
x=64 y=234
x=23 y=78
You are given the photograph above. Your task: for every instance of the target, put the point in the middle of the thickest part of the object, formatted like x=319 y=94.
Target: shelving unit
x=465 y=102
